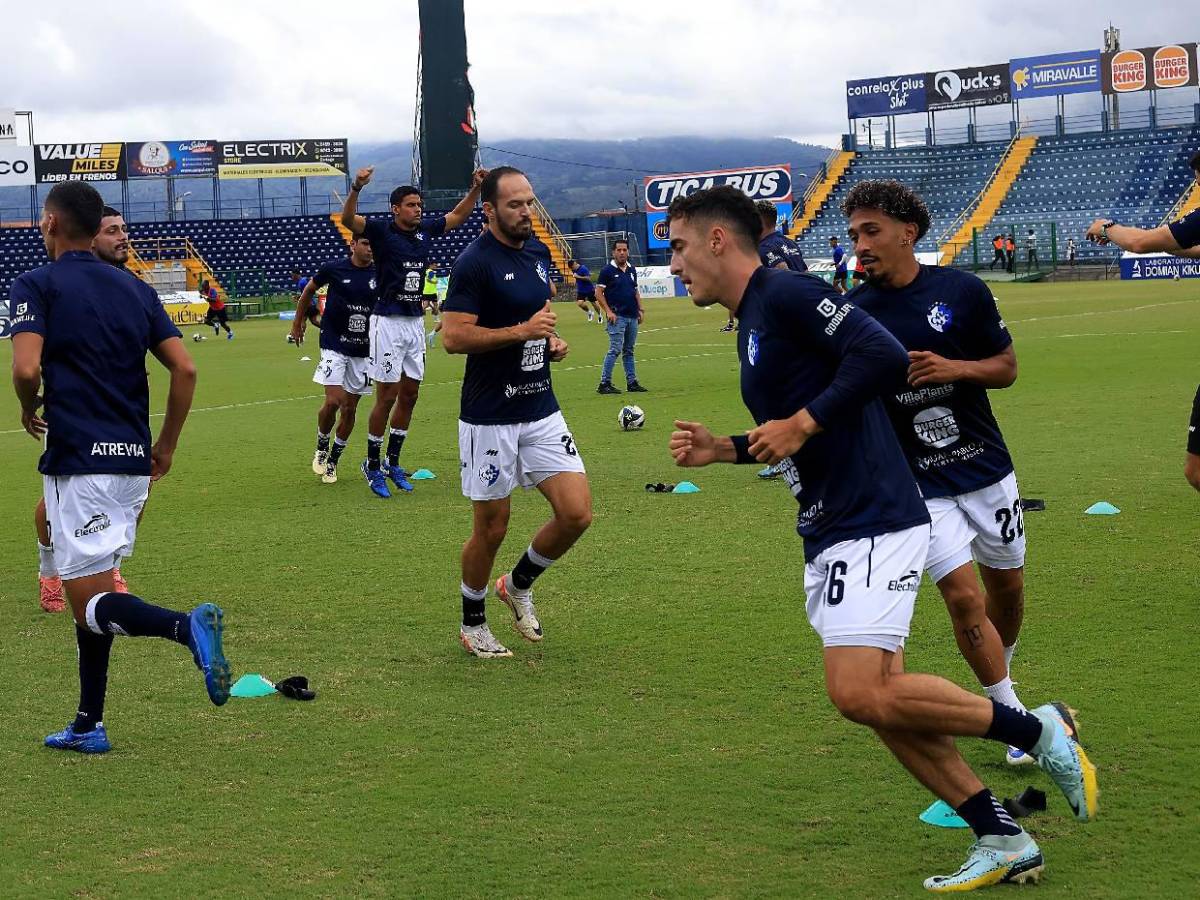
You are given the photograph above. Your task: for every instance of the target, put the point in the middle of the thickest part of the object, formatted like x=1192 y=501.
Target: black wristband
x=741 y=447
x=356 y=188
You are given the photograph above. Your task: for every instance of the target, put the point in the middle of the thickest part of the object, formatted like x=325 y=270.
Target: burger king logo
x=1172 y=67
x=1128 y=71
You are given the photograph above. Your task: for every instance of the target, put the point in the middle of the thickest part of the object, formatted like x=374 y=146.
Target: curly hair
x=893 y=198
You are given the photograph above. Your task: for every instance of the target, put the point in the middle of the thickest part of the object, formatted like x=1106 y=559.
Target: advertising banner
x=892 y=95
x=8 y=125
x=79 y=162
x=772 y=183
x=972 y=86
x=163 y=159
x=16 y=166
x=295 y=158
x=1055 y=73
x=1158 y=265
x=1149 y=69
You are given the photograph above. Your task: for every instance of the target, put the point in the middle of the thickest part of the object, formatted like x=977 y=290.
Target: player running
x=217 y=316
x=344 y=342
x=812 y=366
x=839 y=265
x=81 y=331
x=958 y=348
x=396 y=362
x=511 y=431
x=585 y=291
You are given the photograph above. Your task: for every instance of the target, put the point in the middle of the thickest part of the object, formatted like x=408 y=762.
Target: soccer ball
x=631 y=418
x=197 y=337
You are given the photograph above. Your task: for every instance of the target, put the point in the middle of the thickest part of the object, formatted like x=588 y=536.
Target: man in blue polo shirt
x=81 y=331
x=812 y=367
x=1180 y=238
x=511 y=431
x=344 y=343
x=401 y=247
x=621 y=302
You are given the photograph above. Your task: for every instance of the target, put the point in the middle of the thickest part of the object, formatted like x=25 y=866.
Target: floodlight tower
x=1112 y=43
x=445 y=142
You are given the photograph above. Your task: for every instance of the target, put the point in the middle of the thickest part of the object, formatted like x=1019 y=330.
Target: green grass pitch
x=671 y=736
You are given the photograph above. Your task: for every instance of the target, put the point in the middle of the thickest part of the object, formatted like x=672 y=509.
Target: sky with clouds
x=233 y=69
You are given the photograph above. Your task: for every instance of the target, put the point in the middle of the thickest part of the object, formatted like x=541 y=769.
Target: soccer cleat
x=606 y=388
x=770 y=472
x=1066 y=763
x=50 y=594
x=400 y=478
x=94 y=741
x=521 y=605
x=319 y=459
x=727 y=327
x=1018 y=757
x=478 y=640
x=635 y=388
x=376 y=480
x=229 y=336
x=431 y=338
x=329 y=476
x=120 y=585
x=205 y=642
x=994 y=859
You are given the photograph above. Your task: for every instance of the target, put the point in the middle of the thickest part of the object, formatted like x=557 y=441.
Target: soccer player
x=585 y=291
x=812 y=366
x=839 y=265
x=397 y=357
x=958 y=348
x=345 y=342
x=511 y=431
x=217 y=316
x=111 y=244
x=621 y=302
x=1180 y=238
x=81 y=331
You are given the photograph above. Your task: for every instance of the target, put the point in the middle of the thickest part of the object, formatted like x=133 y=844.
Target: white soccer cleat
x=319 y=460
x=521 y=605
x=329 y=474
x=478 y=640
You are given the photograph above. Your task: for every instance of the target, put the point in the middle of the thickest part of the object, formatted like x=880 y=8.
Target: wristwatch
x=1104 y=228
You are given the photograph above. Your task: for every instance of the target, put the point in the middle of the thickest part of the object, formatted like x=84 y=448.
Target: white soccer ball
x=197 y=337
x=1176 y=276
x=631 y=418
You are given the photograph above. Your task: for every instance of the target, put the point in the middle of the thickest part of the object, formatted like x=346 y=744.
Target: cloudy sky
x=230 y=69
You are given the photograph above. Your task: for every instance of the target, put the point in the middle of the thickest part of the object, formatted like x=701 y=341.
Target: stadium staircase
x=979 y=213
x=150 y=259
x=346 y=233
x=546 y=231
x=1189 y=201
x=818 y=192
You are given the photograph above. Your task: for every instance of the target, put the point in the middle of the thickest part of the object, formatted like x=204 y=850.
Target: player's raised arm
x=178 y=362
x=459 y=214
x=350 y=218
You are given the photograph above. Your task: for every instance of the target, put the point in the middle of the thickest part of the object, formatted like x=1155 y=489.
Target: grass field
x=671 y=736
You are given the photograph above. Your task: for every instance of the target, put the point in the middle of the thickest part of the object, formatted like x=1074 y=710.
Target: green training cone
x=251 y=686
x=1103 y=508
x=422 y=475
x=942 y=814
x=685 y=487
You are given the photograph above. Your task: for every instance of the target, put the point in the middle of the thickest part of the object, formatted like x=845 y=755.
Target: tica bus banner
x=293 y=158
x=1055 y=73
x=1149 y=69
x=166 y=159
x=772 y=183
x=79 y=162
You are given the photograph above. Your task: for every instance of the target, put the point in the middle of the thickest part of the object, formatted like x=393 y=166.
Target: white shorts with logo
x=339 y=370
x=861 y=593
x=397 y=348
x=985 y=525
x=93 y=520
x=497 y=458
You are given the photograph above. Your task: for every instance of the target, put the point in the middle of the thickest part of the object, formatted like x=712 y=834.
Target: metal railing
x=798 y=209
x=969 y=210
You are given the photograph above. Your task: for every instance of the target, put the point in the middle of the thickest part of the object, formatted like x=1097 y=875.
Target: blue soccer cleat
x=94 y=741
x=1018 y=757
x=994 y=859
x=376 y=481
x=1062 y=758
x=400 y=478
x=770 y=472
x=205 y=642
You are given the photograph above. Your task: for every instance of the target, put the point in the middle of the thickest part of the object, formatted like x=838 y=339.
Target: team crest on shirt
x=939 y=317
x=372 y=283
x=752 y=347
x=488 y=474
x=542 y=273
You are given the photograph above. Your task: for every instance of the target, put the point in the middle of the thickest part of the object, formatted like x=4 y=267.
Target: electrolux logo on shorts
x=79 y=162
x=973 y=86
x=97 y=523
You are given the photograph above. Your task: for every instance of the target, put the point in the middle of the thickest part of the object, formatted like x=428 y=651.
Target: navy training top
x=348 y=304
x=777 y=248
x=620 y=289
x=400 y=258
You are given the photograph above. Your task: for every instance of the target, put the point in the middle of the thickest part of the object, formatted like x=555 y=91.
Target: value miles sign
x=773 y=183
x=79 y=162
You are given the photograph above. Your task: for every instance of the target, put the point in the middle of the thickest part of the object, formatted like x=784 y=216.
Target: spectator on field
x=998 y=255
x=1010 y=251
x=1031 y=257
x=1072 y=252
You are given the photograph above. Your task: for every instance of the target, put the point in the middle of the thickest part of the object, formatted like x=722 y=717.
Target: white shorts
x=496 y=458
x=397 y=348
x=985 y=525
x=339 y=370
x=861 y=593
x=93 y=520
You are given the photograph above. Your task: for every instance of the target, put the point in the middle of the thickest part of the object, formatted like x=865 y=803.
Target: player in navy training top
x=1180 y=238
x=345 y=341
x=839 y=264
x=812 y=365
x=111 y=244
x=81 y=331
x=958 y=347
x=585 y=291
x=396 y=362
x=510 y=431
